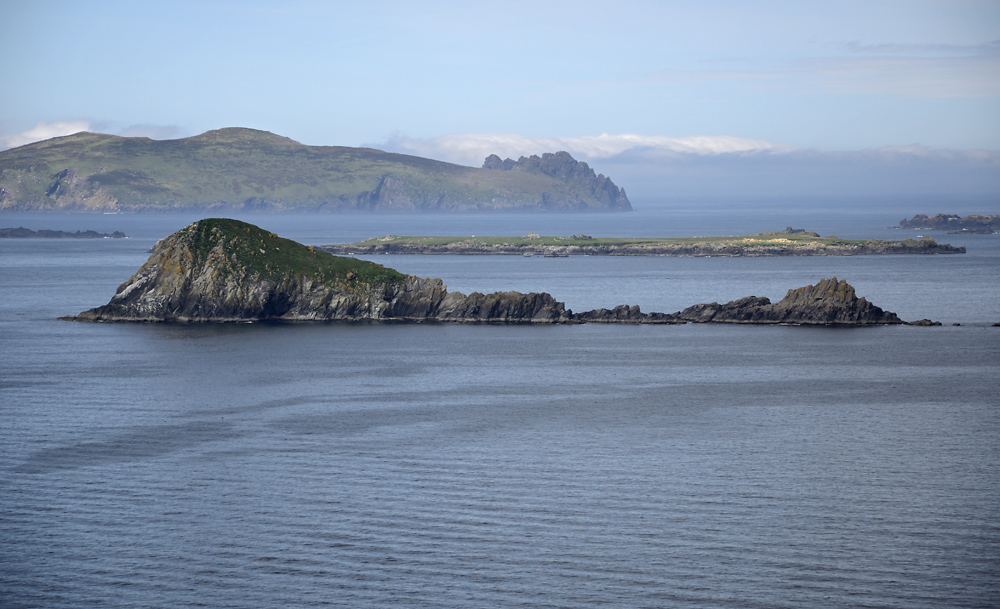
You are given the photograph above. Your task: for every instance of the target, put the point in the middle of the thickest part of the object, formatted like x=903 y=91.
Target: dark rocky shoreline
x=391 y=244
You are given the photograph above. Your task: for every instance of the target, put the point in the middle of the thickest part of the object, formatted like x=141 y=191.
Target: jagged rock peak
x=829 y=292
x=562 y=166
x=556 y=164
x=829 y=302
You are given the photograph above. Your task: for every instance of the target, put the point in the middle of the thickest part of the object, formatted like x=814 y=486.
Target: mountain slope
x=246 y=169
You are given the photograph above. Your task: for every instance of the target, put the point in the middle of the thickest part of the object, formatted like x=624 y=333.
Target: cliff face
x=224 y=270
x=829 y=302
x=562 y=166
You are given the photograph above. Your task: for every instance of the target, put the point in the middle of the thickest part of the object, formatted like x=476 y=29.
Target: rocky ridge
x=562 y=166
x=829 y=302
x=220 y=270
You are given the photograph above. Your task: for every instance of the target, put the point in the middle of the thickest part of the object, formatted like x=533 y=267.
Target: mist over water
x=368 y=465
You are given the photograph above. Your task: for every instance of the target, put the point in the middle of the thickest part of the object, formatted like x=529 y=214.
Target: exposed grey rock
x=829 y=302
x=625 y=314
x=493 y=162
x=561 y=165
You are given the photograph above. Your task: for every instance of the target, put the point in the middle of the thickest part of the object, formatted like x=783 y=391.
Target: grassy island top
x=228 y=244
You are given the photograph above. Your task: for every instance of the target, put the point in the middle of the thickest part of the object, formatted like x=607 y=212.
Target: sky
x=776 y=97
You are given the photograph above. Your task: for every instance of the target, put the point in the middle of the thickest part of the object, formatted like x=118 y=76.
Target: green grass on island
x=775 y=238
x=260 y=252
x=790 y=242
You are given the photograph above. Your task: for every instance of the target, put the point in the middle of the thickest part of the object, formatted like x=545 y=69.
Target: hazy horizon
x=682 y=99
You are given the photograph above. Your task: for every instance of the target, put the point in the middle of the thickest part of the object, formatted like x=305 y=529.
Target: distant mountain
x=249 y=170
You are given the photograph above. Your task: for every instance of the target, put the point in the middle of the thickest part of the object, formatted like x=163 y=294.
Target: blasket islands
x=223 y=270
x=789 y=242
x=238 y=169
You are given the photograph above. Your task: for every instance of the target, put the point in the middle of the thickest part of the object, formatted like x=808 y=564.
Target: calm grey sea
x=435 y=465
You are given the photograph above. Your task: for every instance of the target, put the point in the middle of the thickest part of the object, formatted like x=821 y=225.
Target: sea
x=445 y=465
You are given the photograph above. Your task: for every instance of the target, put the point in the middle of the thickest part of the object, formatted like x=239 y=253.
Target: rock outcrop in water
x=829 y=302
x=220 y=270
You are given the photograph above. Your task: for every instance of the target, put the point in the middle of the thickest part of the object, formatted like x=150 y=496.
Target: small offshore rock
x=829 y=302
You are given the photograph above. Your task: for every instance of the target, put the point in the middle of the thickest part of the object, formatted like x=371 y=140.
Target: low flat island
x=27 y=233
x=790 y=242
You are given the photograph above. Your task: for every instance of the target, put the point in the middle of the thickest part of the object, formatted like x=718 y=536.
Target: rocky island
x=790 y=242
x=251 y=170
x=221 y=270
x=956 y=225
x=27 y=233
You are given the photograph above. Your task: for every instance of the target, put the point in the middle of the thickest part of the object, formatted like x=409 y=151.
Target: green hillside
x=246 y=169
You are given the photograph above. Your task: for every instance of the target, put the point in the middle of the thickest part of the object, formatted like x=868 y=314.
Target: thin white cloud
x=934 y=77
x=932 y=71
x=934 y=50
x=472 y=148
x=42 y=131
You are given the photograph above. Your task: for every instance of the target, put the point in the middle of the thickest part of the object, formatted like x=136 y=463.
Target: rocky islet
x=221 y=270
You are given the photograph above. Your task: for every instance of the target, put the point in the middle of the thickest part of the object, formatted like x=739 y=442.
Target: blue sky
x=457 y=80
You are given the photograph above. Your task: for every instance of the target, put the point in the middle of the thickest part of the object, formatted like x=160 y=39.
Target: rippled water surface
x=373 y=465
